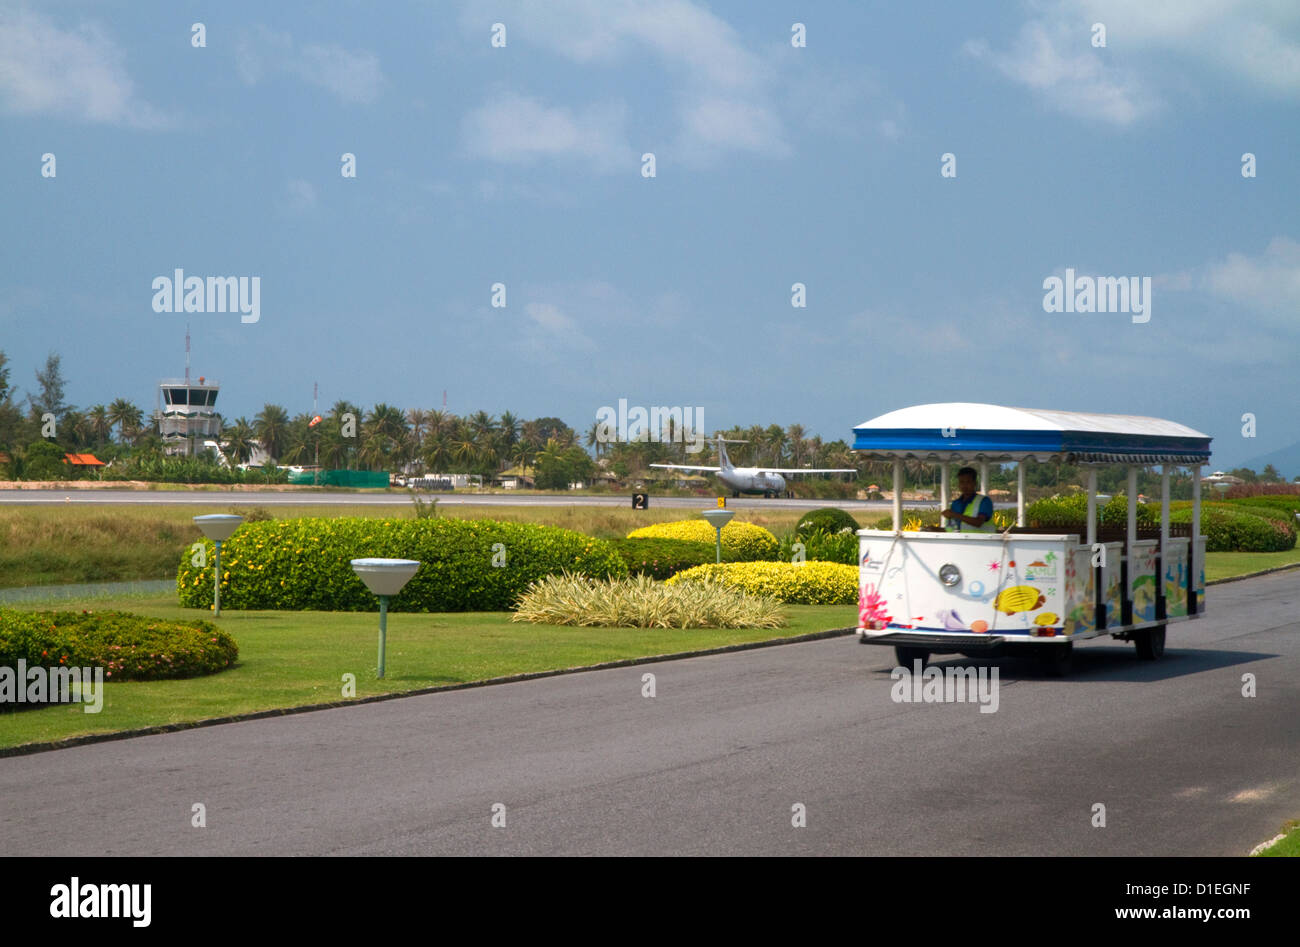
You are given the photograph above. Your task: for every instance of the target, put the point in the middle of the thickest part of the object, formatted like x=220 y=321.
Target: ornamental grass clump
x=641 y=602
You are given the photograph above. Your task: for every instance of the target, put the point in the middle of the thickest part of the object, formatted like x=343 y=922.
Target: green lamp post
x=218 y=527
x=384 y=577
x=718 y=519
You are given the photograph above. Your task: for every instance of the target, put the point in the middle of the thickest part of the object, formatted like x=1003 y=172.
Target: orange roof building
x=83 y=460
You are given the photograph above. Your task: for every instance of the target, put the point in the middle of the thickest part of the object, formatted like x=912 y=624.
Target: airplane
x=765 y=480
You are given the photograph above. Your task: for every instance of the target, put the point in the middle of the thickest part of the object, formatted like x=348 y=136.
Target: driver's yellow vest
x=971 y=509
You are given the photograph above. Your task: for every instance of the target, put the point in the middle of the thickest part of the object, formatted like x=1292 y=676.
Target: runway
x=272 y=498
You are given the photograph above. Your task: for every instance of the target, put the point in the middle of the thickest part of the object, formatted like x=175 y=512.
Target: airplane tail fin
x=723 y=460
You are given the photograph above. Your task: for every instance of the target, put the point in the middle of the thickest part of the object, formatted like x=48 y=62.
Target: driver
x=970 y=512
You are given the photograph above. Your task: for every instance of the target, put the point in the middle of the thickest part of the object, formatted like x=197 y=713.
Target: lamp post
x=218 y=527
x=384 y=577
x=718 y=519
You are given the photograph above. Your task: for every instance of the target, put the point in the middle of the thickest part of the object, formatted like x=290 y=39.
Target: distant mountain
x=1285 y=459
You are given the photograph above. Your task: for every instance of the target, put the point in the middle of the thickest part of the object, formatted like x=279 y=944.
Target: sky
x=517 y=156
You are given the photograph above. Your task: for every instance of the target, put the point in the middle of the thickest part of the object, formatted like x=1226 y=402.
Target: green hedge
x=1072 y=510
x=1281 y=506
x=1229 y=530
x=828 y=519
x=660 y=558
x=128 y=647
x=820 y=546
x=928 y=518
x=468 y=565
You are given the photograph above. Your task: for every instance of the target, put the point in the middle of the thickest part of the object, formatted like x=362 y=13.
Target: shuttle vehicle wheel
x=1150 y=643
x=905 y=656
x=1056 y=659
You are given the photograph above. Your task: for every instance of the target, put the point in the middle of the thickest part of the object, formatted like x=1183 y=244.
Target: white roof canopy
x=971 y=431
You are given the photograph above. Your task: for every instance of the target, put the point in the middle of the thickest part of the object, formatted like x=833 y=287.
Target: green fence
x=342 y=478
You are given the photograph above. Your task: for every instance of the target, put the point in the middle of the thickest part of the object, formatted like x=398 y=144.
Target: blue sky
x=774 y=165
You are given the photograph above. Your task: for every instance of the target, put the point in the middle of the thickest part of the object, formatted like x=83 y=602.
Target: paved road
x=584 y=764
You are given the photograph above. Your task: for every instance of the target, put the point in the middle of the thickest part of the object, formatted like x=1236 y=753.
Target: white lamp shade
x=718 y=518
x=385 y=576
x=218 y=526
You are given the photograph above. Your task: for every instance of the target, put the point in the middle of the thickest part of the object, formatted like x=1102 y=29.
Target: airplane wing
x=685 y=467
x=799 y=470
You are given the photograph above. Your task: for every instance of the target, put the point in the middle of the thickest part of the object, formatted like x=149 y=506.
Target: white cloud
x=1057 y=63
x=1246 y=38
x=716 y=122
x=302 y=196
x=354 y=78
x=77 y=73
x=552 y=331
x=722 y=88
x=515 y=128
x=1268 y=283
x=1148 y=45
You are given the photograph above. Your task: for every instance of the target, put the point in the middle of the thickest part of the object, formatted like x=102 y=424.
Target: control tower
x=187 y=412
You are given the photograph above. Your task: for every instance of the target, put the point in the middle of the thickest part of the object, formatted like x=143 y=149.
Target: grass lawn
x=287 y=659
x=1224 y=565
x=1288 y=847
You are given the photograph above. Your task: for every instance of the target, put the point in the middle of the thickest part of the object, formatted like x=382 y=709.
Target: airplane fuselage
x=752 y=480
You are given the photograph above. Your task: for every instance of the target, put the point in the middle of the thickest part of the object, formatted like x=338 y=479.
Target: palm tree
x=75 y=428
x=465 y=449
x=126 y=417
x=384 y=436
x=418 y=419
x=798 y=447
x=524 y=454
x=440 y=423
x=594 y=437
x=240 y=440
x=272 y=427
x=101 y=426
x=437 y=453
x=299 y=440
x=509 y=429
x=776 y=443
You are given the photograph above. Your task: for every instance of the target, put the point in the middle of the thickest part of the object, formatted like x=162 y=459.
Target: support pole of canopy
x=984 y=477
x=1092 y=505
x=1131 y=536
x=898 y=494
x=1164 y=508
x=1192 y=564
x=1020 y=493
x=943 y=487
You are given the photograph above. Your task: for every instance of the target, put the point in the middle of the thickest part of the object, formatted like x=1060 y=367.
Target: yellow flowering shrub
x=740 y=541
x=794 y=583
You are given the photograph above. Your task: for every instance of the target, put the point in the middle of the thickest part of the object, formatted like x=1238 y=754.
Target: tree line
x=437 y=441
